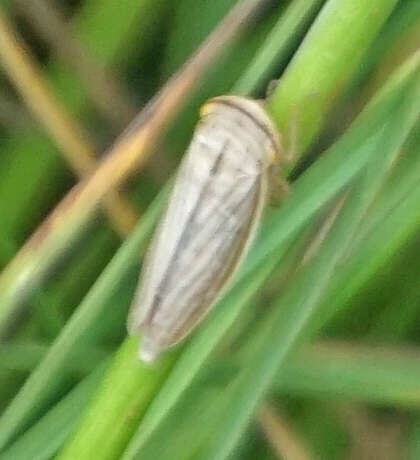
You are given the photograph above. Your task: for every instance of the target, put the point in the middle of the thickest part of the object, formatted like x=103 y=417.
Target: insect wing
x=209 y=223
x=207 y=227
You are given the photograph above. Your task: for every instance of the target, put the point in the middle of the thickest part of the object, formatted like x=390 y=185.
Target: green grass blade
x=333 y=369
x=325 y=61
x=277 y=46
x=374 y=252
x=40 y=385
x=413 y=447
x=286 y=324
x=104 y=28
x=293 y=313
x=25 y=355
x=44 y=438
x=105 y=432
x=339 y=165
x=311 y=193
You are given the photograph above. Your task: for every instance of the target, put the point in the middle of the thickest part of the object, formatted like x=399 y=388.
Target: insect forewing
x=209 y=223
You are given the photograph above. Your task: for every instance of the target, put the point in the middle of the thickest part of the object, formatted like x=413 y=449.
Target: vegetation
x=313 y=353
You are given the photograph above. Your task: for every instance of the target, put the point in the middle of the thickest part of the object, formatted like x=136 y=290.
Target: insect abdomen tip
x=148 y=353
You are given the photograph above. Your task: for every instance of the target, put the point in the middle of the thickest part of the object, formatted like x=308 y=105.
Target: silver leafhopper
x=209 y=223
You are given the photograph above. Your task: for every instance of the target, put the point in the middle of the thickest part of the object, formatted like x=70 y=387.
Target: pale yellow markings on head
x=257 y=112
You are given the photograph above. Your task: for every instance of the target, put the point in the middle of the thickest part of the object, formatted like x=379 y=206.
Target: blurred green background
x=314 y=352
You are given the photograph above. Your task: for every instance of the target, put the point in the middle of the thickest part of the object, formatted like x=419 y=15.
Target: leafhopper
x=209 y=223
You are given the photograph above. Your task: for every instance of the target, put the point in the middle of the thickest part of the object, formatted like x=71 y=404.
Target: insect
x=209 y=224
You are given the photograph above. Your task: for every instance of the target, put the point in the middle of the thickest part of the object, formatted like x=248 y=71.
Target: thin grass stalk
x=382 y=374
x=366 y=373
x=43 y=440
x=25 y=355
x=316 y=75
x=51 y=365
x=280 y=436
x=65 y=224
x=130 y=404
x=225 y=314
x=105 y=90
x=278 y=44
x=73 y=142
x=112 y=45
x=40 y=387
x=292 y=315
x=61 y=350
x=223 y=443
